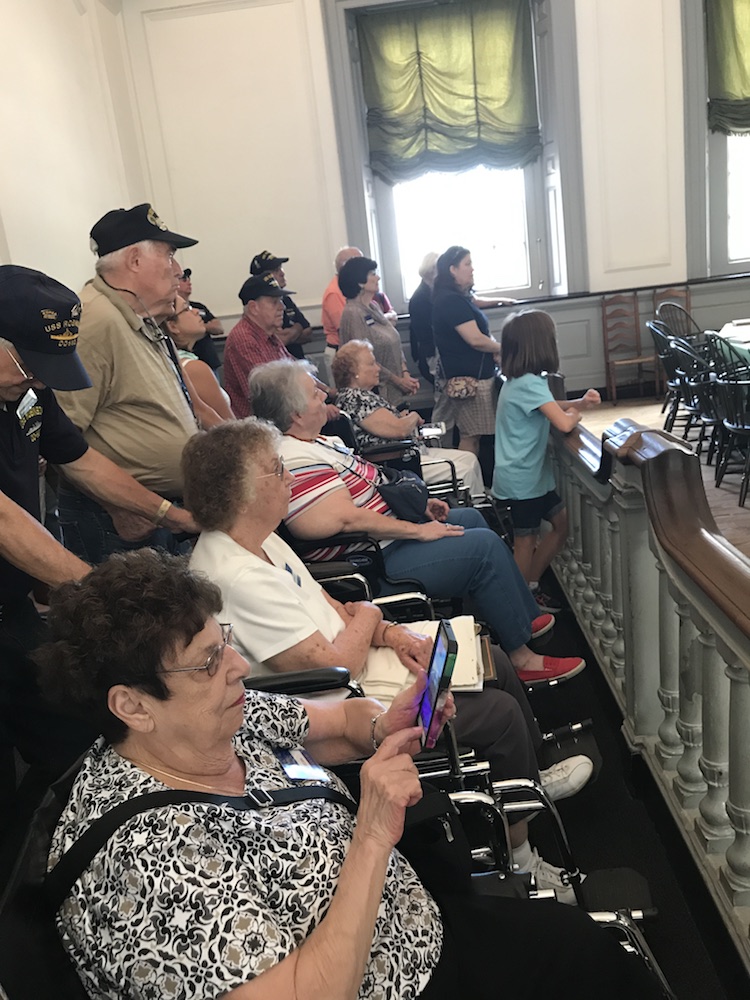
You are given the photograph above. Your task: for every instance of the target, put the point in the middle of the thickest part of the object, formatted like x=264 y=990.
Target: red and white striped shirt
x=320 y=468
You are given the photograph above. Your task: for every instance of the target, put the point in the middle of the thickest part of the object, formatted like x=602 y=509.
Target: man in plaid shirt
x=253 y=341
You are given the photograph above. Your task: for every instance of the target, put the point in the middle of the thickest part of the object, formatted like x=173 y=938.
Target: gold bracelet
x=373 y=723
x=162 y=511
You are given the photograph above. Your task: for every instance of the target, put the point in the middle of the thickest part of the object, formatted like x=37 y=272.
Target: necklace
x=177 y=778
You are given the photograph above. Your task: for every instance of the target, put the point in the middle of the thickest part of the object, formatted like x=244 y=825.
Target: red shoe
x=555 y=668
x=542 y=625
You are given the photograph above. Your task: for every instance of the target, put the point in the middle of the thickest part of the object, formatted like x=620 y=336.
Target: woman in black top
x=463 y=341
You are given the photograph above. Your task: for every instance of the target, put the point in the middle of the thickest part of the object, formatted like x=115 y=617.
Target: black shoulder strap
x=74 y=862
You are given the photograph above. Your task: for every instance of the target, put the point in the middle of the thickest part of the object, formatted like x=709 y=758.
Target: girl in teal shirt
x=525 y=411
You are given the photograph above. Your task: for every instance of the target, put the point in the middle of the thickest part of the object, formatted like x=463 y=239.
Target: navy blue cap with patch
x=40 y=317
x=122 y=227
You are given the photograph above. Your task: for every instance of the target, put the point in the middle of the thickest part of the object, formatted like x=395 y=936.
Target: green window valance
x=728 y=41
x=449 y=86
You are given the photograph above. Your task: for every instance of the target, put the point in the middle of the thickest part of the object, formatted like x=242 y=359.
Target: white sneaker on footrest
x=547 y=876
x=566 y=777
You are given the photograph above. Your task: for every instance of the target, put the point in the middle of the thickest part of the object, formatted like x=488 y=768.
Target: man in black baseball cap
x=122 y=227
x=39 y=317
x=266 y=261
x=38 y=332
x=295 y=328
x=141 y=408
x=254 y=340
x=260 y=286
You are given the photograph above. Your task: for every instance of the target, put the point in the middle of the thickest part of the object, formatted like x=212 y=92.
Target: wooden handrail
x=586 y=448
x=680 y=515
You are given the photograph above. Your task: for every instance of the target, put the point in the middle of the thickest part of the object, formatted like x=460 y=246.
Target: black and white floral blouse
x=360 y=404
x=193 y=900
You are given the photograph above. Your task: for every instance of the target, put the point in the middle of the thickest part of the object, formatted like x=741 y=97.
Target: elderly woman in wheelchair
x=238 y=489
x=261 y=878
x=376 y=421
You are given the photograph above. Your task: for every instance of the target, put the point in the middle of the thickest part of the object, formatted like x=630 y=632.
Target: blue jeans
x=478 y=565
x=88 y=530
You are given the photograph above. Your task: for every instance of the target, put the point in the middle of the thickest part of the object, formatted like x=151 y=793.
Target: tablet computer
x=442 y=661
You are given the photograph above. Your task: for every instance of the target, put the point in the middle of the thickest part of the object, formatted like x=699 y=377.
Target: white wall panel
x=235 y=106
x=630 y=73
x=61 y=165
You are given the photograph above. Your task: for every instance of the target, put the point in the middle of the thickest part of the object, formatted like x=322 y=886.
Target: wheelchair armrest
x=407 y=606
x=344 y=538
x=395 y=446
x=301 y=681
x=330 y=570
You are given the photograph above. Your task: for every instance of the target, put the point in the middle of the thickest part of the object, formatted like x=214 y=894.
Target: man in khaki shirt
x=139 y=411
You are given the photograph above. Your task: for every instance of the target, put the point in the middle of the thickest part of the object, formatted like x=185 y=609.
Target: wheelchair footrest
x=616 y=889
x=515 y=886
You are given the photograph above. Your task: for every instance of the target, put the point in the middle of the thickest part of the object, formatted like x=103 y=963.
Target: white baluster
x=712 y=827
x=669 y=745
x=689 y=786
x=735 y=874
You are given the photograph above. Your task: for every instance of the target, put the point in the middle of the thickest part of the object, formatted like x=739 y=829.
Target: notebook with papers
x=385 y=675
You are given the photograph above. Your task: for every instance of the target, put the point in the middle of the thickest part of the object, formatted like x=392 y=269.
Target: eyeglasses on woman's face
x=213 y=662
x=278 y=471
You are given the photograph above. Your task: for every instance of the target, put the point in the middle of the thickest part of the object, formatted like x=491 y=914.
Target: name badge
x=299 y=766
x=28 y=400
x=369 y=321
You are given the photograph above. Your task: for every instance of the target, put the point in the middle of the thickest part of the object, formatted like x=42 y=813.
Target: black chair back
x=725 y=359
x=33 y=963
x=679 y=321
x=732 y=403
x=697 y=381
x=660 y=335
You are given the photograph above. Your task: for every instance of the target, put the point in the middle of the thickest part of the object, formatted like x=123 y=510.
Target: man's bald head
x=345 y=254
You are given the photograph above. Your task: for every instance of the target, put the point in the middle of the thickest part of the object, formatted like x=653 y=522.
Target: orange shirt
x=333 y=306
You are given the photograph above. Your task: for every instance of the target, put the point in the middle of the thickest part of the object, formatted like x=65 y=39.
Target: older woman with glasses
x=291 y=897
x=186 y=328
x=238 y=488
x=200 y=899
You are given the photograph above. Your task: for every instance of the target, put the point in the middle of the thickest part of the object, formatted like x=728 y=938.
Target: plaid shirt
x=248 y=345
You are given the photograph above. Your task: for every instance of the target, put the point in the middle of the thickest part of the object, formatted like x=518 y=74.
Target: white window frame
x=705 y=161
x=556 y=178
x=538 y=270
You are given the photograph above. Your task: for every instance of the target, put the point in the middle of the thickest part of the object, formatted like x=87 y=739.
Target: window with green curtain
x=449 y=86
x=728 y=40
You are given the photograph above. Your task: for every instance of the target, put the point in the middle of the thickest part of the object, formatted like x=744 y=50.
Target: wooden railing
x=664 y=601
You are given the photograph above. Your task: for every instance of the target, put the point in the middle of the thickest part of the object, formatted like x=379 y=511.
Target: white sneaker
x=566 y=777
x=547 y=876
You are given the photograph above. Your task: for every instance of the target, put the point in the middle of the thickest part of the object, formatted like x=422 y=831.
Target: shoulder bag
x=404 y=492
x=464 y=386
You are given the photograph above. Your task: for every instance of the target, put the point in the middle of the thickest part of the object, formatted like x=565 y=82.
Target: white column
x=640 y=618
x=712 y=826
x=607 y=630
x=689 y=785
x=735 y=874
x=587 y=550
x=669 y=745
